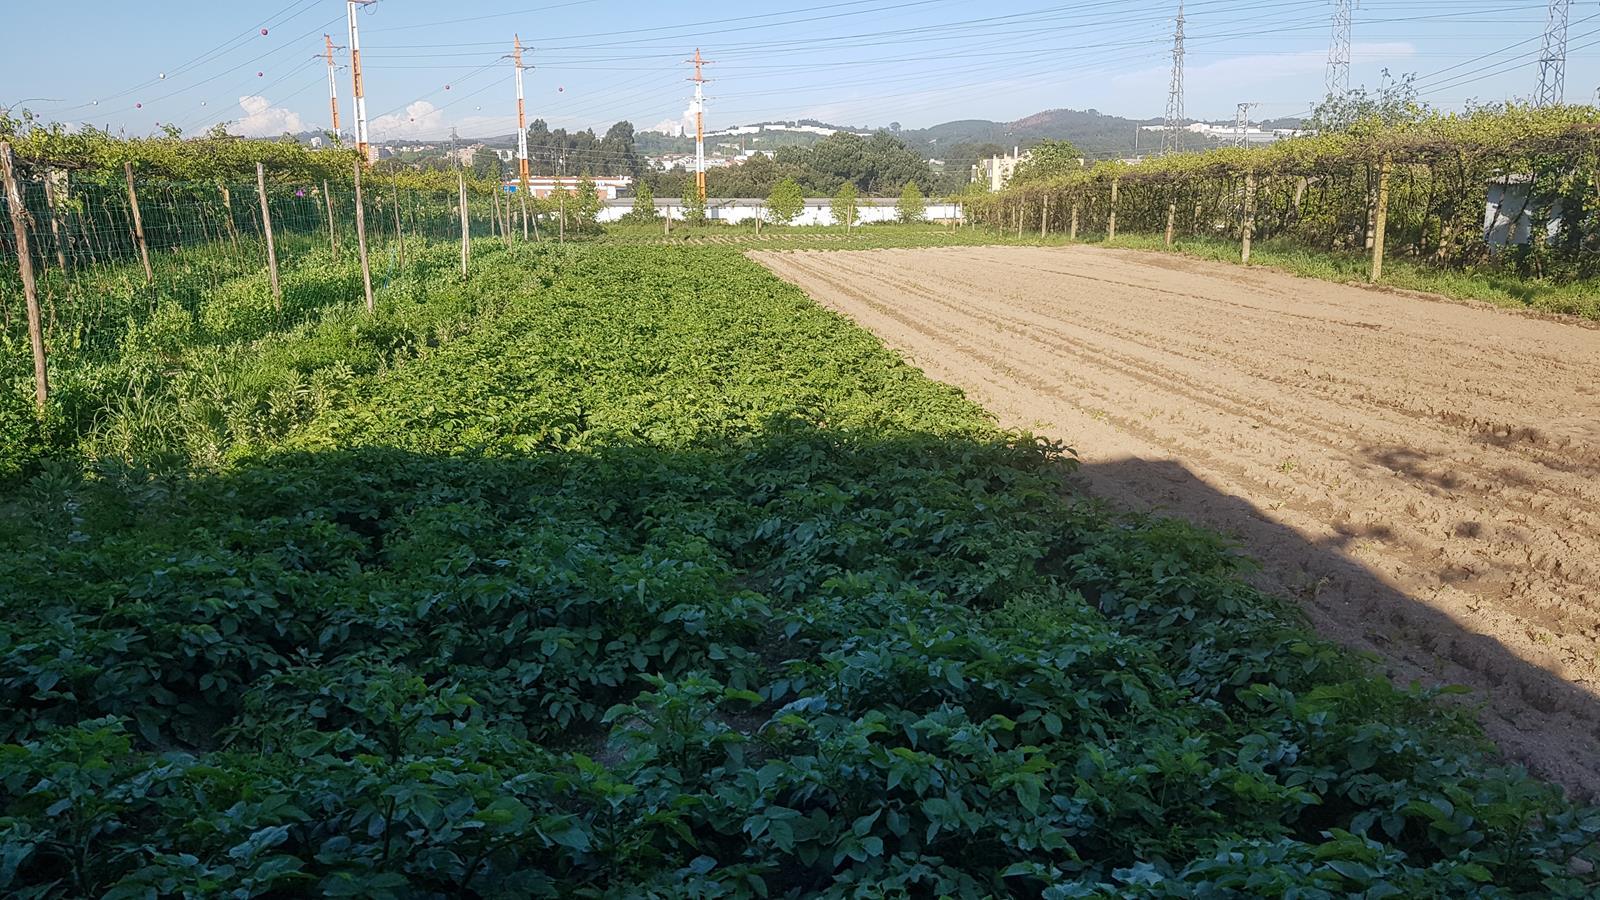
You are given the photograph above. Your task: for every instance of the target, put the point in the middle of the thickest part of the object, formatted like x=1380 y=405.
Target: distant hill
x=1093 y=132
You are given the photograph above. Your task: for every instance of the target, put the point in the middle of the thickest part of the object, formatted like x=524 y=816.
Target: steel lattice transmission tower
x=1553 y=57
x=1173 y=124
x=1339 y=49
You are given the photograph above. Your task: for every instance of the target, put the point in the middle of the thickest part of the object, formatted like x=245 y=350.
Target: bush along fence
x=1515 y=188
x=95 y=229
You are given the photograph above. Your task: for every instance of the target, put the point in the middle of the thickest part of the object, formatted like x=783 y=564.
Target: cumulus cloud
x=419 y=120
x=676 y=127
x=262 y=119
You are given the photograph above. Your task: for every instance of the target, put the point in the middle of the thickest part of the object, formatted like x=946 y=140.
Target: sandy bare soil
x=1423 y=476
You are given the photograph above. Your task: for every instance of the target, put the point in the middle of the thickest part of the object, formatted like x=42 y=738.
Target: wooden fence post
x=1044 y=217
x=361 y=241
x=333 y=230
x=1380 y=221
x=1111 y=218
x=227 y=210
x=563 y=214
x=466 y=226
x=138 y=225
x=505 y=228
x=1072 y=228
x=266 y=227
x=1247 y=231
x=522 y=199
x=1172 y=220
x=399 y=235
x=55 y=217
x=30 y=291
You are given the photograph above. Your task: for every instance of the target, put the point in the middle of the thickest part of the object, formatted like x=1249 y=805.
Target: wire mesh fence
x=89 y=234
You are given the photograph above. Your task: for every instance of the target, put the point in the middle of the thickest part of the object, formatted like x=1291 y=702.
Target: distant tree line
x=880 y=165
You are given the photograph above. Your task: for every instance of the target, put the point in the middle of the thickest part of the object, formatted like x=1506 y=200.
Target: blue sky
x=431 y=65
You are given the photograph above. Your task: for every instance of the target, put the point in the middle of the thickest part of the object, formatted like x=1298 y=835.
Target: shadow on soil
x=352 y=593
x=1535 y=716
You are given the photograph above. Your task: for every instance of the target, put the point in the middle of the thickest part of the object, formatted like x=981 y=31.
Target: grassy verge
x=663 y=581
x=1578 y=299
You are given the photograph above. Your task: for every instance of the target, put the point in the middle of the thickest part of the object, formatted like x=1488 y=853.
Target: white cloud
x=419 y=120
x=262 y=119
x=679 y=127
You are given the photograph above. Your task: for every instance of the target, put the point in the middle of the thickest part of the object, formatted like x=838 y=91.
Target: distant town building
x=997 y=170
x=1253 y=135
x=686 y=161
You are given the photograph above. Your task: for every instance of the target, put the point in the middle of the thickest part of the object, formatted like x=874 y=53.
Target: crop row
x=661 y=581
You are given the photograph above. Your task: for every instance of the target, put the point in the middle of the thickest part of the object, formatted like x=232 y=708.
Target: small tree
x=694 y=207
x=911 y=207
x=585 y=205
x=785 y=202
x=845 y=207
x=644 y=207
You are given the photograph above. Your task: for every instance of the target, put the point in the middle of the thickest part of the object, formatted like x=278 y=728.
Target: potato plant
x=659 y=580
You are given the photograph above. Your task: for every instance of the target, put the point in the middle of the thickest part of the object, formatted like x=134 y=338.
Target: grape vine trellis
x=1323 y=191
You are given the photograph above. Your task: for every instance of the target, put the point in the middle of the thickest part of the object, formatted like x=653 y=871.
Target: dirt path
x=1423 y=476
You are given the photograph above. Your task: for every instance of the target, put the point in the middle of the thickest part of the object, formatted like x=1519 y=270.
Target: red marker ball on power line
x=263 y=31
x=261 y=74
x=138 y=106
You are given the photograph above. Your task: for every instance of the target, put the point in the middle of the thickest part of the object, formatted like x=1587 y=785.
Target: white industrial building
x=818 y=211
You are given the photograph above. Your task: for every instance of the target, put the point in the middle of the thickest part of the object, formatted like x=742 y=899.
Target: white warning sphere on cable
x=163 y=76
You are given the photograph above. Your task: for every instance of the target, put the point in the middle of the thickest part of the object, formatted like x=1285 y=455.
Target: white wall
x=817 y=212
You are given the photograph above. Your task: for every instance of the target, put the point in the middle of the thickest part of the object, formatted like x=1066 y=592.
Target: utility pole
x=522 y=120
x=1241 y=125
x=333 y=83
x=1553 y=57
x=363 y=141
x=1339 y=49
x=1174 y=120
x=699 y=126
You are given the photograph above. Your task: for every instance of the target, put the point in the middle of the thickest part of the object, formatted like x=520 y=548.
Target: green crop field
x=617 y=570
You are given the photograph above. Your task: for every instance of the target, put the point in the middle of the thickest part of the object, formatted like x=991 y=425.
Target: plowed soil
x=1423 y=476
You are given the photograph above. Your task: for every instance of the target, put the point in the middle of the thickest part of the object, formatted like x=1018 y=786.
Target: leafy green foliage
x=583 y=208
x=846 y=207
x=1319 y=190
x=1048 y=159
x=785 y=202
x=663 y=581
x=644 y=207
x=911 y=208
